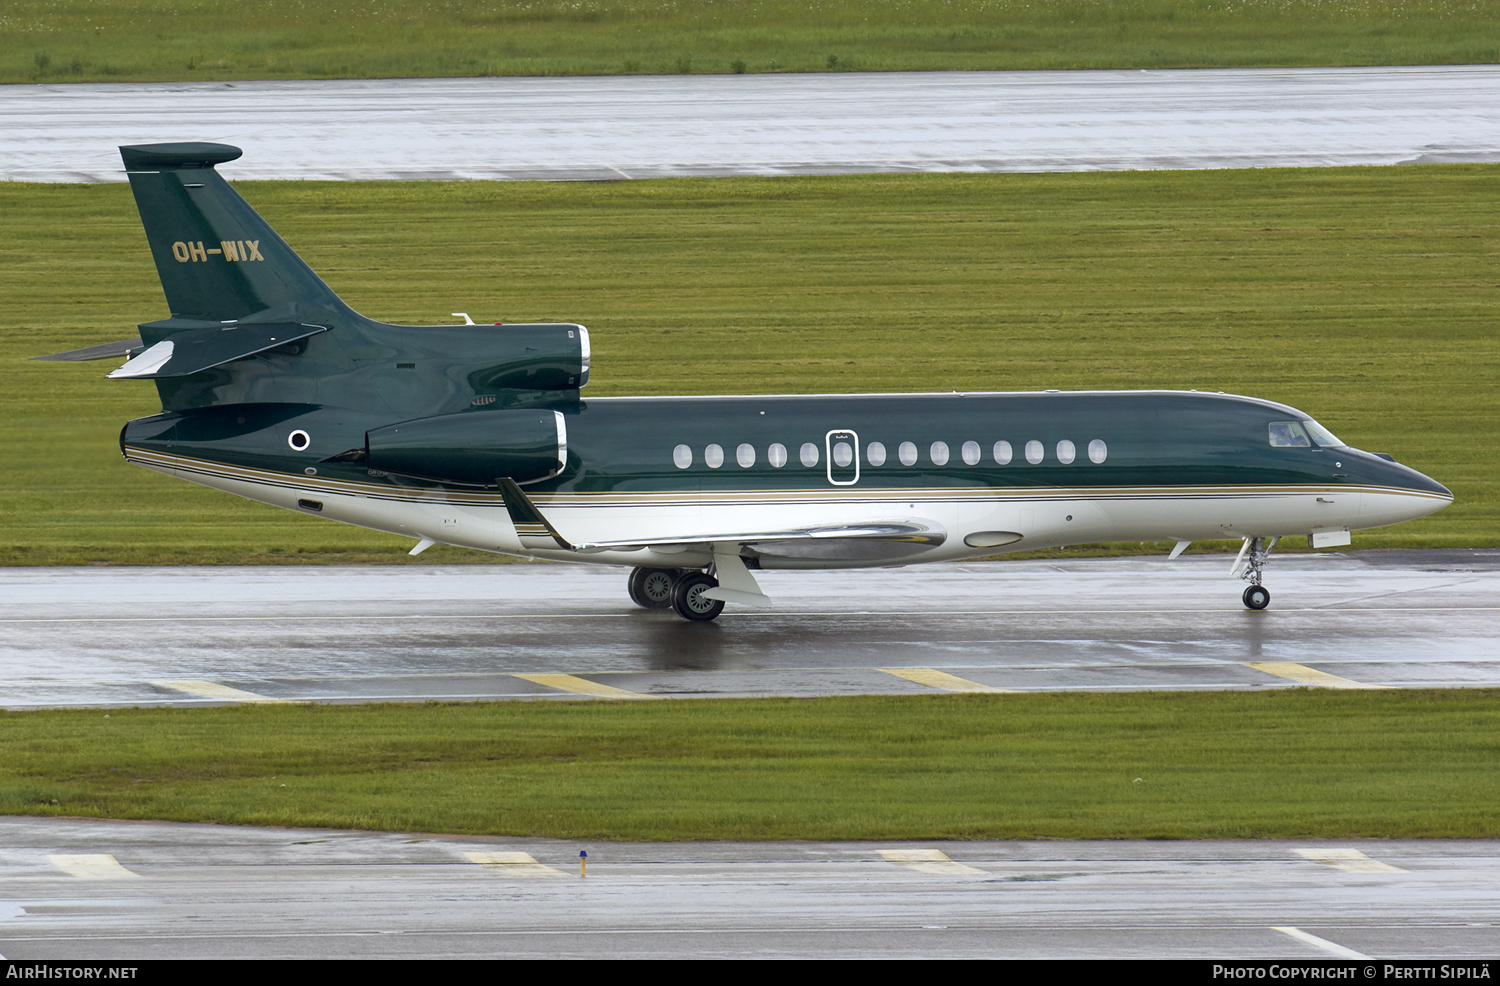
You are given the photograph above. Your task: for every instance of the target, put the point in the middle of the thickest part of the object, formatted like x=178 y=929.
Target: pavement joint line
x=455 y=617
x=513 y=864
x=933 y=861
x=214 y=690
x=1402 y=592
x=1323 y=943
x=933 y=678
x=582 y=686
x=1302 y=674
x=1350 y=860
x=92 y=866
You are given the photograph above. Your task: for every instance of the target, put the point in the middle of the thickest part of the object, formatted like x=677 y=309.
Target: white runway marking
x=513 y=864
x=1332 y=948
x=1351 y=860
x=933 y=861
x=92 y=866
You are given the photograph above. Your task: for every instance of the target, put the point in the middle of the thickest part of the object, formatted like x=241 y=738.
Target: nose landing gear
x=1248 y=566
x=1257 y=597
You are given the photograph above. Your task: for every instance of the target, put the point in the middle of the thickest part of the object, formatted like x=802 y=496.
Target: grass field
x=1365 y=296
x=1292 y=763
x=171 y=40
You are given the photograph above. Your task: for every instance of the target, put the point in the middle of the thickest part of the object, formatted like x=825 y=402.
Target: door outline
x=828 y=450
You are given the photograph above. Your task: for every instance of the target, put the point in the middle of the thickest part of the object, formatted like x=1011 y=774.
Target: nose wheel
x=1257 y=597
x=1252 y=559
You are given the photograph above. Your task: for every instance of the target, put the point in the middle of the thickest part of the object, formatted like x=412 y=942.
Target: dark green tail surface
x=217 y=258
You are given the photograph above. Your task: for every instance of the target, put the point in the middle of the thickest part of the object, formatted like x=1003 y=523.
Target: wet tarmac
x=616 y=128
x=98 y=890
x=194 y=636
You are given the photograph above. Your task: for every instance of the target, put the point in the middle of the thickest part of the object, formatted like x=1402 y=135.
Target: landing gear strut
x=652 y=587
x=1249 y=566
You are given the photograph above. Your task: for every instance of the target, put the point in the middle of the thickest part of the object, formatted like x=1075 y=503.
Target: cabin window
x=842 y=454
x=713 y=457
x=875 y=454
x=1066 y=452
x=776 y=455
x=1289 y=434
x=1098 y=451
x=682 y=457
x=907 y=453
x=938 y=453
x=971 y=453
x=1034 y=451
x=809 y=455
x=1002 y=453
x=745 y=456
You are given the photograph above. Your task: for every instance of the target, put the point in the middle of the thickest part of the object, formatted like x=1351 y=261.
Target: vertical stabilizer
x=217 y=258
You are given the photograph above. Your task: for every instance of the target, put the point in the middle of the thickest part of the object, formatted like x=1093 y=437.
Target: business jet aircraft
x=473 y=435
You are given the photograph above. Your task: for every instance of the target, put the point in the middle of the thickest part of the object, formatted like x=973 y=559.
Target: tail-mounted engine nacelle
x=473 y=448
x=548 y=356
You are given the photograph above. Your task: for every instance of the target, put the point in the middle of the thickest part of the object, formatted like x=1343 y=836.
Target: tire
x=1257 y=597
x=687 y=597
x=652 y=587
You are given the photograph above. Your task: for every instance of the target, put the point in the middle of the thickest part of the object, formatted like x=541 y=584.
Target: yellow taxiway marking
x=512 y=863
x=1332 y=947
x=929 y=861
x=1348 y=859
x=210 y=689
x=1306 y=675
x=573 y=683
x=942 y=679
x=92 y=866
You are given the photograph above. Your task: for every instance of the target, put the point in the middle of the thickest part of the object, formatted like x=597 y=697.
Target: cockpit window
x=1321 y=435
x=1289 y=434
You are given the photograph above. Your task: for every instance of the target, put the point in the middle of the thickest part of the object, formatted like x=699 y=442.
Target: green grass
x=172 y=40
x=1365 y=296
x=1293 y=763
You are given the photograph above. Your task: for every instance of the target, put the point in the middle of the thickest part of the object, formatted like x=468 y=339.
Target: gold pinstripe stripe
x=678 y=498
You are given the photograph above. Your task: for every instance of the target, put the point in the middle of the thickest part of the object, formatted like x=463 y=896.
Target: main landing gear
x=1248 y=566
x=659 y=588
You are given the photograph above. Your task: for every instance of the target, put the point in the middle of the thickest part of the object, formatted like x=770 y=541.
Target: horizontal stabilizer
x=108 y=350
x=202 y=349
